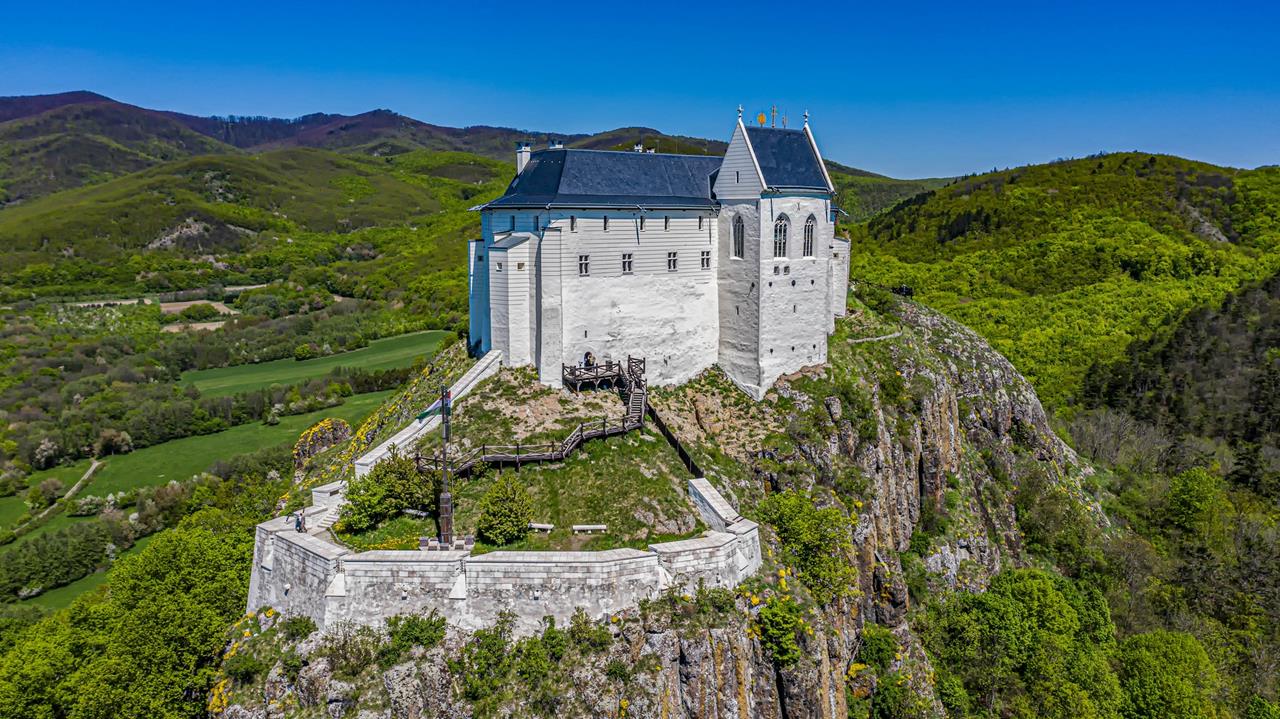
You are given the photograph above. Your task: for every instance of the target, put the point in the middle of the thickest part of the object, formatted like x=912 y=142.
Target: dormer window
x=780 y=230
x=809 y=226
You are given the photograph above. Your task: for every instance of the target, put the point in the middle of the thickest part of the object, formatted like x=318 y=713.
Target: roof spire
x=739 y=111
x=806 y=118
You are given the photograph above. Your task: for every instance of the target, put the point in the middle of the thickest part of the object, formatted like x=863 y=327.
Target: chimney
x=638 y=147
x=556 y=145
x=522 y=156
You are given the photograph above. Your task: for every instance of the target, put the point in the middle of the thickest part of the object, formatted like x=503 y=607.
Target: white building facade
x=687 y=261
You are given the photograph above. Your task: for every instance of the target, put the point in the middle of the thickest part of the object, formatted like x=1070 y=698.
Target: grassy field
x=13 y=507
x=182 y=458
x=630 y=483
x=386 y=353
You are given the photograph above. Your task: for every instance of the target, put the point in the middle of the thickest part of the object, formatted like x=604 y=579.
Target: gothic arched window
x=780 y=229
x=739 y=237
x=809 y=226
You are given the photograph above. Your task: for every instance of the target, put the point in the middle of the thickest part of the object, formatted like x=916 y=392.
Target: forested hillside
x=1063 y=265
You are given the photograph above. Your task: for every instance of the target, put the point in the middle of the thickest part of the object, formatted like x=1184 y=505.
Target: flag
x=442 y=407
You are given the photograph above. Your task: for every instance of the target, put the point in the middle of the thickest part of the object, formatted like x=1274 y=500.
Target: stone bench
x=589 y=528
x=537 y=527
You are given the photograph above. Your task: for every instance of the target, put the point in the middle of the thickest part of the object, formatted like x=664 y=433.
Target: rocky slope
x=916 y=429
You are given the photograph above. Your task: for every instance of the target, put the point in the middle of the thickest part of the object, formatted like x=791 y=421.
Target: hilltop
x=1063 y=265
x=66 y=140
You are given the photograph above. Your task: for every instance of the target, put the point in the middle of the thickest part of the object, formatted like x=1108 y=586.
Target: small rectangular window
x=536 y=220
x=573 y=223
x=513 y=223
x=519 y=265
x=737 y=176
x=606 y=223
x=499 y=267
x=699 y=223
x=706 y=259
x=584 y=265
x=671 y=262
x=666 y=223
x=627 y=264
x=642 y=223
x=479 y=258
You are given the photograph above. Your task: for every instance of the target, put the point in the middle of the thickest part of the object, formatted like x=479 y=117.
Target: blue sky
x=934 y=89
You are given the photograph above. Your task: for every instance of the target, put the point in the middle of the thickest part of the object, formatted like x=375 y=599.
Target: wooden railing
x=629 y=379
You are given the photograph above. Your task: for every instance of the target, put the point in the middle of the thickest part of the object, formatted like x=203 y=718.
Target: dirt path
x=71 y=493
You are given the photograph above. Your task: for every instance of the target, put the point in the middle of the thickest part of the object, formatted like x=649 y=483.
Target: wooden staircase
x=628 y=379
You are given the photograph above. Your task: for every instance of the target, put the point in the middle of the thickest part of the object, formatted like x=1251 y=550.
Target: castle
x=690 y=261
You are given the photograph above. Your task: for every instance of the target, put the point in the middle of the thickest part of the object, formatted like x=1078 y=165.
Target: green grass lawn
x=181 y=458
x=386 y=353
x=13 y=507
x=625 y=482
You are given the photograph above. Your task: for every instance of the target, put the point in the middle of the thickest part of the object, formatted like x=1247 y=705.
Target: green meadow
x=182 y=458
x=386 y=353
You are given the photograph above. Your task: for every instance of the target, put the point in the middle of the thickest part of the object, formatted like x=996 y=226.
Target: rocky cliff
x=916 y=429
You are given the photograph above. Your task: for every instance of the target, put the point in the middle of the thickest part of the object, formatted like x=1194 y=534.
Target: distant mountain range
x=55 y=142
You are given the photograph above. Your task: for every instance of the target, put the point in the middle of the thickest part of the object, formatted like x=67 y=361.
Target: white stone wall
x=839 y=279
x=795 y=304
x=330 y=584
x=739 y=296
x=292 y=570
x=478 y=295
x=669 y=317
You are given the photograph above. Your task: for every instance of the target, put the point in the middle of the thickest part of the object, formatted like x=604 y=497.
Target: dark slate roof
x=786 y=158
x=595 y=178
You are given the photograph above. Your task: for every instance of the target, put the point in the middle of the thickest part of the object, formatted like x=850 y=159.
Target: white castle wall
x=300 y=574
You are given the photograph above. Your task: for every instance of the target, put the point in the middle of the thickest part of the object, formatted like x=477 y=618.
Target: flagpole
x=446 y=499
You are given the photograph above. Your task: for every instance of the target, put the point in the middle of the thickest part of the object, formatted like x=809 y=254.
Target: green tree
x=817 y=542
x=1167 y=675
x=1192 y=495
x=393 y=485
x=505 y=511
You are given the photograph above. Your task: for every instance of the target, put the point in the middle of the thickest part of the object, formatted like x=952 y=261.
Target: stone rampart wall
x=301 y=574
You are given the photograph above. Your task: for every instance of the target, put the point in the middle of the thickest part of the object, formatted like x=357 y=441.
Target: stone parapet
x=302 y=574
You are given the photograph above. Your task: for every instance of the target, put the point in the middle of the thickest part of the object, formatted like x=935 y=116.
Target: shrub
x=298 y=627
x=505 y=511
x=393 y=485
x=589 y=636
x=291 y=663
x=243 y=667
x=778 y=624
x=200 y=312
x=351 y=648
x=816 y=541
x=879 y=646
x=406 y=631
